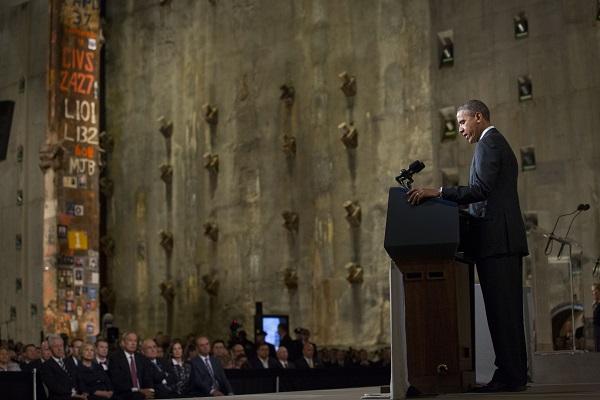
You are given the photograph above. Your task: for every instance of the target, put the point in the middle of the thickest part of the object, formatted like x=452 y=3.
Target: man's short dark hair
x=476 y=106
x=28 y=346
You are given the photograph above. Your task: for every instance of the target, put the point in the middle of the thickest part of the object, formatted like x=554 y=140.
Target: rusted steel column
x=70 y=162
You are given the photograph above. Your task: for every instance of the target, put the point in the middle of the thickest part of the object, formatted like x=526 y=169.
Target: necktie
x=209 y=367
x=62 y=365
x=212 y=373
x=284 y=364
x=133 y=371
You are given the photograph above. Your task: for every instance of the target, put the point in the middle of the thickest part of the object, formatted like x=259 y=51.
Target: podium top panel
x=430 y=229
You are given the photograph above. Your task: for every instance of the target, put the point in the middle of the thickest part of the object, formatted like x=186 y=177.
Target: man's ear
x=478 y=117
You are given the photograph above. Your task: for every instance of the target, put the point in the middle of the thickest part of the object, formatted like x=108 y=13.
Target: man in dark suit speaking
x=494 y=202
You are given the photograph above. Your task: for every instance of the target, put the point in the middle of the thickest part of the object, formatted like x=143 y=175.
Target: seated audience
x=308 y=360
x=92 y=380
x=208 y=377
x=102 y=353
x=237 y=350
x=57 y=376
x=130 y=372
x=45 y=351
x=179 y=368
x=262 y=359
x=241 y=362
x=363 y=359
x=260 y=339
x=340 y=360
x=5 y=362
x=72 y=359
x=161 y=379
x=219 y=351
x=284 y=337
x=30 y=358
x=282 y=358
x=190 y=351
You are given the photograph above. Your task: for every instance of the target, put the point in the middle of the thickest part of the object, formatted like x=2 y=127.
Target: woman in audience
x=179 y=367
x=5 y=363
x=91 y=378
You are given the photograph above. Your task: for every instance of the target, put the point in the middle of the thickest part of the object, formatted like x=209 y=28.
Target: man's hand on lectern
x=419 y=195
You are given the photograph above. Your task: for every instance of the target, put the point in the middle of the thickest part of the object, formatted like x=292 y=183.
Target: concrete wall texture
x=168 y=59
x=24 y=44
x=172 y=59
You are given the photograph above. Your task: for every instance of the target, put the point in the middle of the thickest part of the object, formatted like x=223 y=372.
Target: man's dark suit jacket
x=290 y=365
x=301 y=363
x=493 y=190
x=200 y=380
x=29 y=367
x=164 y=380
x=70 y=363
x=120 y=376
x=255 y=363
x=59 y=382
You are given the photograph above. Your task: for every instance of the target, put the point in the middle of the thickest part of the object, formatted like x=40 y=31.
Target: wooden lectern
x=438 y=302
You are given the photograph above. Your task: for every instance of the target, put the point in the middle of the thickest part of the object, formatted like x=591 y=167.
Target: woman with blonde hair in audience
x=91 y=377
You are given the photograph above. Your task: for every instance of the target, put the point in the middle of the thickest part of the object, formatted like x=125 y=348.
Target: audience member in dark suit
x=501 y=240
x=57 y=377
x=163 y=381
x=72 y=360
x=282 y=359
x=30 y=359
x=249 y=348
x=91 y=378
x=179 y=368
x=102 y=353
x=130 y=372
x=284 y=337
x=208 y=377
x=308 y=360
x=260 y=338
x=263 y=360
x=341 y=360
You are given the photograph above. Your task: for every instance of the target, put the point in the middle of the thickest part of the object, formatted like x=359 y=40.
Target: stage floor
x=581 y=391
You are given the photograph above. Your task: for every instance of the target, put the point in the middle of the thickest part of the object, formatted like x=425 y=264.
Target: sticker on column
x=78 y=273
x=78 y=240
x=70 y=182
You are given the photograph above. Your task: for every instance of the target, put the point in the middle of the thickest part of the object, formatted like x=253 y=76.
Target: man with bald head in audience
x=208 y=377
x=162 y=380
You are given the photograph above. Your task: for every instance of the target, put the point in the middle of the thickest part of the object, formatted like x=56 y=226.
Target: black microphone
x=583 y=207
x=417 y=166
x=405 y=177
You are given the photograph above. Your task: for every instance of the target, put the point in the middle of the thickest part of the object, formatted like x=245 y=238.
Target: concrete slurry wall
x=171 y=60
x=24 y=44
x=560 y=122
